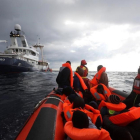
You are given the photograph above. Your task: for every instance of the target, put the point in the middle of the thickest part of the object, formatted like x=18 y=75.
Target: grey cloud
x=45 y=18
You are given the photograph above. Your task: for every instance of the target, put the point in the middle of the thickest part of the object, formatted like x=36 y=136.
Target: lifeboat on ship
x=46 y=123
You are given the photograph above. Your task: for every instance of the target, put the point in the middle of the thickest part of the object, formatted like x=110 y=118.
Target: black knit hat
x=114 y=99
x=80 y=119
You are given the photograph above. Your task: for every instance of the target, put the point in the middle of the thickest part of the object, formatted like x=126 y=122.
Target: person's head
x=83 y=62
x=80 y=119
x=68 y=62
x=114 y=99
x=100 y=89
x=80 y=71
x=99 y=67
x=122 y=134
x=71 y=97
x=67 y=90
x=139 y=70
x=78 y=102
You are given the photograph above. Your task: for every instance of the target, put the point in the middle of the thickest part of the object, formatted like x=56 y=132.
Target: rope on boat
x=40 y=102
x=54 y=98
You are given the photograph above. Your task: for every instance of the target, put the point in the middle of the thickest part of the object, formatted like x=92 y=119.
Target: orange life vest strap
x=81 y=81
x=71 y=72
x=97 y=76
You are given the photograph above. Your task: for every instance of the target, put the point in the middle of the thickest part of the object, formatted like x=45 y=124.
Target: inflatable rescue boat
x=46 y=123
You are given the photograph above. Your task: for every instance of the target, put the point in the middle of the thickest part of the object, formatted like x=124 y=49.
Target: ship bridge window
x=33 y=53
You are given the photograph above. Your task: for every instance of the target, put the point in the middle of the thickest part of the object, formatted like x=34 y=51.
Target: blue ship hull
x=13 y=65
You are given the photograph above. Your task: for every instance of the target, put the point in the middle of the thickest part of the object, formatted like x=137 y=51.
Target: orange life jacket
x=93 y=113
x=71 y=72
x=127 y=117
x=111 y=106
x=81 y=81
x=97 y=76
x=99 y=96
x=85 y=69
x=85 y=133
x=136 y=84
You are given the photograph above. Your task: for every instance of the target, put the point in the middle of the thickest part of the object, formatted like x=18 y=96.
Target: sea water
x=20 y=92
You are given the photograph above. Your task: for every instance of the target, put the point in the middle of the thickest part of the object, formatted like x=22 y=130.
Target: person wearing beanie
x=112 y=107
x=114 y=99
x=85 y=72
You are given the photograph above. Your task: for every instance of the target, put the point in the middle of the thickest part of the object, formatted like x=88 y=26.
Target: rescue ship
x=46 y=123
x=22 y=58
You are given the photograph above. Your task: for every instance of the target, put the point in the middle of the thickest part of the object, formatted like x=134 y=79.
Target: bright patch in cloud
x=73 y=51
x=75 y=24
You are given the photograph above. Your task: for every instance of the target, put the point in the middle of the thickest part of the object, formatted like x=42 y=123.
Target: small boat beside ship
x=22 y=58
x=46 y=123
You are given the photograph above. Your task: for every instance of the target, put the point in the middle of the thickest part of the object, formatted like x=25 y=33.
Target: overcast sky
x=103 y=32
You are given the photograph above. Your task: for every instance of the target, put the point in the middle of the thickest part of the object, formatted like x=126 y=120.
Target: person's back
x=100 y=77
x=76 y=82
x=104 y=78
x=65 y=77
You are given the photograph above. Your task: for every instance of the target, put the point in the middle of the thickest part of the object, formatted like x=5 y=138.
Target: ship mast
x=41 y=48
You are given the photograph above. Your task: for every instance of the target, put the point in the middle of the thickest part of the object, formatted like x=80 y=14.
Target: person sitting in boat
x=100 y=77
x=65 y=75
x=113 y=106
x=78 y=83
x=117 y=132
x=100 y=92
x=128 y=119
x=79 y=104
x=134 y=98
x=85 y=74
x=78 y=128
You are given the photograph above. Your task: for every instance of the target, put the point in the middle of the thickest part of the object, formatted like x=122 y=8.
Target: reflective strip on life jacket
x=71 y=72
x=111 y=106
x=97 y=76
x=136 y=85
x=81 y=81
x=99 y=96
x=85 y=133
x=125 y=118
x=90 y=111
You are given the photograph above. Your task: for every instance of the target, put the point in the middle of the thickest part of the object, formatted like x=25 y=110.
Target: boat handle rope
x=40 y=102
x=54 y=98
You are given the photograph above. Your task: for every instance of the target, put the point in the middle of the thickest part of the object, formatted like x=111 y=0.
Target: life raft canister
x=125 y=118
x=136 y=84
x=97 y=76
x=99 y=96
x=85 y=133
x=71 y=72
x=111 y=106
